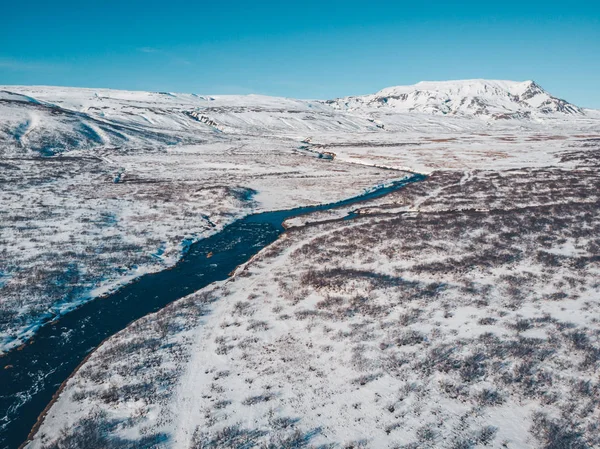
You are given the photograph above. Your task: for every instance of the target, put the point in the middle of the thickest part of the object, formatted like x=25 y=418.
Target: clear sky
x=304 y=49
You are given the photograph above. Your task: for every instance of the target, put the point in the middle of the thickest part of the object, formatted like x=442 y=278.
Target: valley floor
x=458 y=312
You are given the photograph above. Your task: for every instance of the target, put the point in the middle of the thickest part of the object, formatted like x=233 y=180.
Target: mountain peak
x=496 y=99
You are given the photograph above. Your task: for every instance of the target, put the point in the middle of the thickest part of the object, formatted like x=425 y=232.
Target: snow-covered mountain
x=485 y=98
x=51 y=120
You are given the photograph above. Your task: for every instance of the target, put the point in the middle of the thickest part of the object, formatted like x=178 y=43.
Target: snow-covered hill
x=485 y=98
x=50 y=120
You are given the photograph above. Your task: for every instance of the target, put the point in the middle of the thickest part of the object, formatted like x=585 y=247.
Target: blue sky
x=305 y=49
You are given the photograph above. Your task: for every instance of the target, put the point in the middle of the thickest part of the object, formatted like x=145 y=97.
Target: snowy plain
x=458 y=312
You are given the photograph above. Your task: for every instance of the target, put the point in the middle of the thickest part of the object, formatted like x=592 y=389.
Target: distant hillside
x=485 y=98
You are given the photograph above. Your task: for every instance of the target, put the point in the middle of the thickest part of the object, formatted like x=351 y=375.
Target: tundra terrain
x=457 y=312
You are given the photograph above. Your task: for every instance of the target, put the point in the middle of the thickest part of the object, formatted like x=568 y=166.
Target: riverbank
x=38 y=366
x=450 y=325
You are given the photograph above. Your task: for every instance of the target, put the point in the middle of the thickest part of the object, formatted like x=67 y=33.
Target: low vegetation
x=413 y=326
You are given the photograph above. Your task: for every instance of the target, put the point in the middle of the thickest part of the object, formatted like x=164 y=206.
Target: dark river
x=30 y=376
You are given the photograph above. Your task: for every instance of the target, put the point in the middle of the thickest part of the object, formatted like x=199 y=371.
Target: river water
x=34 y=372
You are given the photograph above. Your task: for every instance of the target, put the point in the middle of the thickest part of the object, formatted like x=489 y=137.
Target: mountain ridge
x=496 y=99
x=49 y=120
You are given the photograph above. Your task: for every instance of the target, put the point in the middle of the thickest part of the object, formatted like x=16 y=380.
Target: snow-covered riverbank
x=101 y=185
